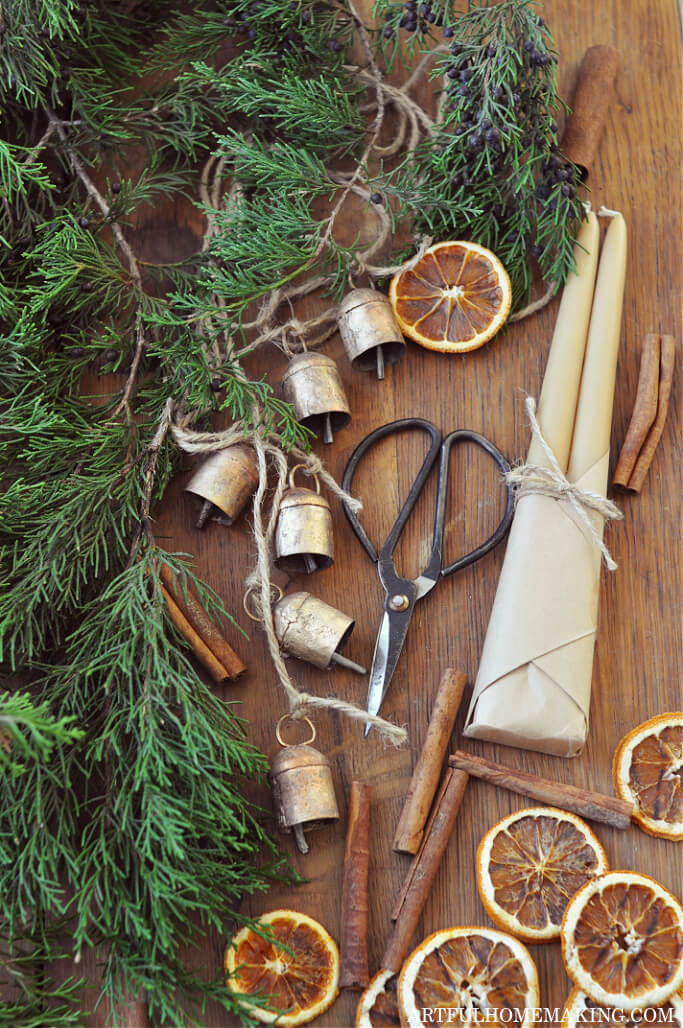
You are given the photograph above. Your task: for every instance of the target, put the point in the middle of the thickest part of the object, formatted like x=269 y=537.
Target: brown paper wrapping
x=534 y=681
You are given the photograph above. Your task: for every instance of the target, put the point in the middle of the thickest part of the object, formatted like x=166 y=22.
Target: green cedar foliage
x=122 y=824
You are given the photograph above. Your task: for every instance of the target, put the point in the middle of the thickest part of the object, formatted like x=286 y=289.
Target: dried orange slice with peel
x=648 y=772
x=454 y=298
x=580 y=1012
x=300 y=976
x=622 y=941
x=471 y=975
x=378 y=1005
x=530 y=864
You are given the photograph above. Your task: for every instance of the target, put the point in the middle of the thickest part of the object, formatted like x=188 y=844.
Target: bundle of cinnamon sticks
x=649 y=412
x=208 y=645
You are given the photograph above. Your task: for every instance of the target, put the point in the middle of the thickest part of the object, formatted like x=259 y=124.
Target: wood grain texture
x=637 y=670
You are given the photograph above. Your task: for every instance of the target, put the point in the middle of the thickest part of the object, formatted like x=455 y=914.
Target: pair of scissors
x=401 y=594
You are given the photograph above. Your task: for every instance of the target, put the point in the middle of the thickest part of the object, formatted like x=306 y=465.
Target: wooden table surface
x=637 y=669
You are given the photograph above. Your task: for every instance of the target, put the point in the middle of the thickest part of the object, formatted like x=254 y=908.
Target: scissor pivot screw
x=399 y=602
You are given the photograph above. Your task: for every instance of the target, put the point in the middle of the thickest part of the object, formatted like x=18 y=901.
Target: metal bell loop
x=369 y=330
x=225 y=480
x=313 y=631
x=303 y=790
x=288 y=717
x=304 y=540
x=311 y=383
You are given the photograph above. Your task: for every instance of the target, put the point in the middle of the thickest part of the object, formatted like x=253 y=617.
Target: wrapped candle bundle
x=534 y=681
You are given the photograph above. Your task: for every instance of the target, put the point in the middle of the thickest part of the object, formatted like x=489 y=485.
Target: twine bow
x=533 y=478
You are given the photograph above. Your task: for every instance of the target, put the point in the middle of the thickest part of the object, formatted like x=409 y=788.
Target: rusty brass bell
x=311 y=383
x=369 y=330
x=303 y=534
x=312 y=630
x=303 y=792
x=224 y=481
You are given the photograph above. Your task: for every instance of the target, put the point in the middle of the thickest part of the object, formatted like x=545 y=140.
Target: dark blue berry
x=491 y=50
x=485 y=124
x=492 y=136
x=475 y=141
x=528 y=45
x=115 y=187
x=84 y=222
x=453 y=73
x=377 y=198
x=456 y=49
x=466 y=74
x=535 y=250
x=335 y=45
x=447 y=32
x=389 y=32
x=497 y=92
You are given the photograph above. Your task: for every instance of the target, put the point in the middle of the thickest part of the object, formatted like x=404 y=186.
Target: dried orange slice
x=468 y=976
x=622 y=941
x=530 y=864
x=453 y=299
x=300 y=977
x=580 y=1012
x=648 y=771
x=378 y=1006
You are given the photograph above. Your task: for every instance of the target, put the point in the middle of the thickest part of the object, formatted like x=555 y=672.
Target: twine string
x=533 y=478
x=269 y=455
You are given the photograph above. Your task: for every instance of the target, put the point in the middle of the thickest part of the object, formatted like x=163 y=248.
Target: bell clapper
x=338 y=658
x=309 y=563
x=328 y=434
x=379 y=353
x=205 y=513
x=300 y=838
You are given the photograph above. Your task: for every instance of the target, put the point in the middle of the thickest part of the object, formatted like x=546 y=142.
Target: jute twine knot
x=258 y=583
x=533 y=478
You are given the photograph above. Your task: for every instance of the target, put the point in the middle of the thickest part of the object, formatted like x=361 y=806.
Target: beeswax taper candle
x=560 y=389
x=593 y=424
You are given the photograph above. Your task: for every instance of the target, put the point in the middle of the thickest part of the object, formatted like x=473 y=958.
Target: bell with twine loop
x=303 y=791
x=310 y=629
x=369 y=330
x=303 y=535
x=224 y=481
x=311 y=383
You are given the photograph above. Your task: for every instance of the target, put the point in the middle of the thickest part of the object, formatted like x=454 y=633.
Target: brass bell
x=312 y=630
x=225 y=480
x=303 y=535
x=311 y=383
x=303 y=792
x=369 y=330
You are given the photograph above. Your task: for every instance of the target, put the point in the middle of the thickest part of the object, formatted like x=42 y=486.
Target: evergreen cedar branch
x=121 y=821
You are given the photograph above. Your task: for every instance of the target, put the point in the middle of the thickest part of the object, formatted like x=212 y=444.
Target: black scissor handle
x=465 y=435
x=392 y=427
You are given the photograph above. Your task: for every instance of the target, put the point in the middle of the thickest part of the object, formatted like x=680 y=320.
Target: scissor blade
x=390 y=638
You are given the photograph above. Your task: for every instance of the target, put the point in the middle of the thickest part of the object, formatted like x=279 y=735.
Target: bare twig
x=126 y=250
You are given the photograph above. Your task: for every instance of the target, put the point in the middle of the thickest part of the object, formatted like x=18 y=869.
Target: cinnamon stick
x=666 y=374
x=590 y=102
x=644 y=409
x=353 y=970
x=592 y=805
x=199 y=647
x=428 y=768
x=423 y=868
x=203 y=625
